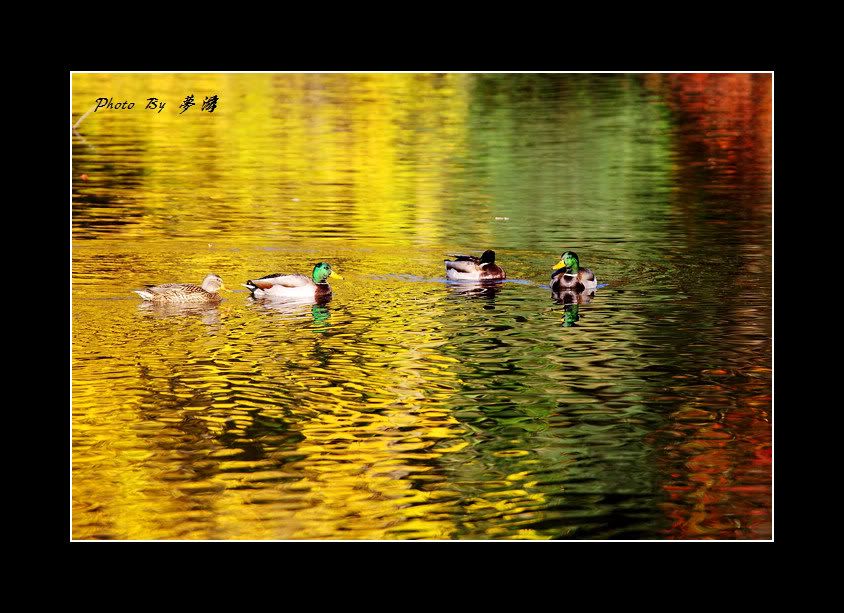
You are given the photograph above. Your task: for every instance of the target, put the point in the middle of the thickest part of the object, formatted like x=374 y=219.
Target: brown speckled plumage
x=184 y=293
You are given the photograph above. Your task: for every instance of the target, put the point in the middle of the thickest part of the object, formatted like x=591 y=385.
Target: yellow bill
x=559 y=265
x=335 y=275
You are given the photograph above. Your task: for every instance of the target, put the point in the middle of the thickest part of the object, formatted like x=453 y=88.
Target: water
x=409 y=407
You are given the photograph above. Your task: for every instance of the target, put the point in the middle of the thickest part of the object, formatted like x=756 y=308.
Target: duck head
x=570 y=260
x=212 y=283
x=322 y=272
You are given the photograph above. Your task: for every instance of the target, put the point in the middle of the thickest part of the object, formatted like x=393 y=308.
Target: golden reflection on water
x=405 y=407
x=203 y=172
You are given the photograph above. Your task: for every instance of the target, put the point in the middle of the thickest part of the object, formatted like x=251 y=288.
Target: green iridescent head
x=323 y=272
x=569 y=259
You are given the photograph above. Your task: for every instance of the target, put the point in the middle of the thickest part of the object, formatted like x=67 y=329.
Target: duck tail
x=143 y=294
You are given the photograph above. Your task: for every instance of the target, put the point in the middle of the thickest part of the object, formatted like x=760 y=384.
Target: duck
x=184 y=293
x=472 y=268
x=568 y=275
x=296 y=287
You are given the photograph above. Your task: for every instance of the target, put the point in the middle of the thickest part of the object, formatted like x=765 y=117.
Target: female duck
x=568 y=275
x=471 y=268
x=184 y=293
x=296 y=287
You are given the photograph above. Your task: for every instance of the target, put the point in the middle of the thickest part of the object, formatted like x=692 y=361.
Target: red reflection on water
x=724 y=125
x=719 y=467
x=715 y=449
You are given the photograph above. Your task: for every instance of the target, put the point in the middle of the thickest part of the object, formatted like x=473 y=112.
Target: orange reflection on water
x=727 y=123
x=718 y=486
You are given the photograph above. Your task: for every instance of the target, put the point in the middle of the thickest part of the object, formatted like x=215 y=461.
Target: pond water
x=408 y=407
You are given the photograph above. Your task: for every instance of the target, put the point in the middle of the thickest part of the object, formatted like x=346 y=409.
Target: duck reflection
x=475 y=289
x=572 y=297
x=571 y=301
x=320 y=313
x=209 y=314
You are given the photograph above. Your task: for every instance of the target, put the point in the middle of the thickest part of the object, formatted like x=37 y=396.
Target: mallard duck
x=297 y=287
x=471 y=268
x=184 y=293
x=568 y=275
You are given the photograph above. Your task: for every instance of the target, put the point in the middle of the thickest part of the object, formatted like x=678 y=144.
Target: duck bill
x=559 y=265
x=335 y=275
